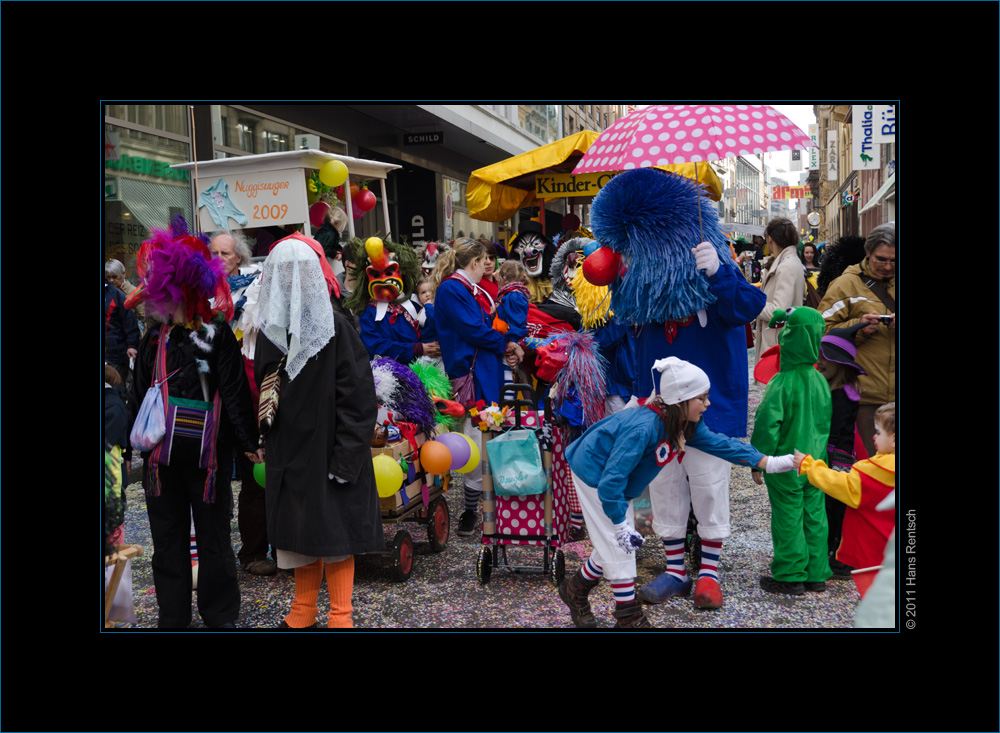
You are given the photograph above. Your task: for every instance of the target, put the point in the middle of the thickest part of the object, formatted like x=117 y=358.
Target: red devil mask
x=385 y=284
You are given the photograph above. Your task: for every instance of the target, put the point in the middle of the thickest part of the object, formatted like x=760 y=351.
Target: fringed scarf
x=160 y=455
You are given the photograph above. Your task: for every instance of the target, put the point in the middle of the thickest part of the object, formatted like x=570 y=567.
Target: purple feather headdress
x=178 y=269
x=400 y=391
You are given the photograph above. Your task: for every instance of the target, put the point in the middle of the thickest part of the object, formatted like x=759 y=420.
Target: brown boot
x=630 y=616
x=573 y=591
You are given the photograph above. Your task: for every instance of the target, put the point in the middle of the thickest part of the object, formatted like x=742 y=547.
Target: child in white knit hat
x=614 y=461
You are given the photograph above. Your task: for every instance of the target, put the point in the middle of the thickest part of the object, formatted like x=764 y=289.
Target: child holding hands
x=866 y=531
x=795 y=412
x=613 y=462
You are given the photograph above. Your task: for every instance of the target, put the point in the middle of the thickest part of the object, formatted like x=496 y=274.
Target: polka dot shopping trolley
x=532 y=520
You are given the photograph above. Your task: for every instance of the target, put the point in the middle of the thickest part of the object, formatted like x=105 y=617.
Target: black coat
x=121 y=330
x=326 y=417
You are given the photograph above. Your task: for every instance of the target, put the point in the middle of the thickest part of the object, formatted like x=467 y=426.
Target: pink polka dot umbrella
x=671 y=134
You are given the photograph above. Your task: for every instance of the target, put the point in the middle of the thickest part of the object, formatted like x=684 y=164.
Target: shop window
x=141 y=190
x=540 y=120
x=239 y=132
x=463 y=225
x=166 y=117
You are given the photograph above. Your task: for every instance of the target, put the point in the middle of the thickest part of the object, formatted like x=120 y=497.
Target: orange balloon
x=435 y=458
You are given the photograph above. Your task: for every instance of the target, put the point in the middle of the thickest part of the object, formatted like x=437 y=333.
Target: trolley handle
x=516 y=403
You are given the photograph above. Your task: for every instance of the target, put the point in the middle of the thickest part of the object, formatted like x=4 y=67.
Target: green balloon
x=258 y=473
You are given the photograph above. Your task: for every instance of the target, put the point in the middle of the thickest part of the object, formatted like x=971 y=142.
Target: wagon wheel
x=402 y=556
x=558 y=567
x=484 y=565
x=438 y=524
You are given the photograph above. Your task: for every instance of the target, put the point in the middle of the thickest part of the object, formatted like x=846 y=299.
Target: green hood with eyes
x=795 y=412
x=799 y=338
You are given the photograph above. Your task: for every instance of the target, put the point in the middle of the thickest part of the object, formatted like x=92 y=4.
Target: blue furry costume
x=655 y=220
x=651 y=218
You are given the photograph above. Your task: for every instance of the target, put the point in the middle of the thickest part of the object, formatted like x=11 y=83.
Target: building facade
x=436 y=146
x=853 y=202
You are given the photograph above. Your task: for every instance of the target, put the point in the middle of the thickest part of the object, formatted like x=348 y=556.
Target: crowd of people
x=207 y=333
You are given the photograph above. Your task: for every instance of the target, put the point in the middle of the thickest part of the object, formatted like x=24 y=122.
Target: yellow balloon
x=333 y=173
x=473 y=457
x=388 y=475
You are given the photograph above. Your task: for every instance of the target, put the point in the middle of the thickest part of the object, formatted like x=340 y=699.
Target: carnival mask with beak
x=385 y=284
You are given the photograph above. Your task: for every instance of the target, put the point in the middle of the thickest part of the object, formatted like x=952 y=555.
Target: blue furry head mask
x=651 y=218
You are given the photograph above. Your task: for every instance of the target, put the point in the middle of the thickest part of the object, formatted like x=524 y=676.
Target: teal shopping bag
x=516 y=464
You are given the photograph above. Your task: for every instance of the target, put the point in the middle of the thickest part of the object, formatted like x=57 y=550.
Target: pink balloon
x=317 y=213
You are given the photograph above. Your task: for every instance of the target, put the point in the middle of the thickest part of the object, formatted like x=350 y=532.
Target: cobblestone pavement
x=443 y=591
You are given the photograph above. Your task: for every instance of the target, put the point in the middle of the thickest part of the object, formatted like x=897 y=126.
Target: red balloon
x=601 y=266
x=317 y=213
x=366 y=200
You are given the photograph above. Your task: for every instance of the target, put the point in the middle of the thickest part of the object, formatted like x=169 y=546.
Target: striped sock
x=591 y=571
x=194 y=545
x=675 y=558
x=624 y=590
x=710 y=551
x=472 y=499
x=576 y=520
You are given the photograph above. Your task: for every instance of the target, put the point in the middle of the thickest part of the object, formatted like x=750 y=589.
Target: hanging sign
x=866 y=152
x=831 y=156
x=791 y=192
x=563 y=185
x=814 y=151
x=256 y=199
x=885 y=123
x=423 y=138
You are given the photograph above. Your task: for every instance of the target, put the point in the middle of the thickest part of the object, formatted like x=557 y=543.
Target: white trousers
x=617 y=564
x=474 y=478
x=700 y=481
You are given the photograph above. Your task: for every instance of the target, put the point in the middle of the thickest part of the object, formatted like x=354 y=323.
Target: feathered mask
x=178 y=269
x=652 y=219
x=573 y=360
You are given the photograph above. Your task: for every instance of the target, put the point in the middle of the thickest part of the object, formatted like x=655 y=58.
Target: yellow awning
x=497 y=191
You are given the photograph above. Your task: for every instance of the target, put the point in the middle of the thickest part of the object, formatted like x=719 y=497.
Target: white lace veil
x=294 y=310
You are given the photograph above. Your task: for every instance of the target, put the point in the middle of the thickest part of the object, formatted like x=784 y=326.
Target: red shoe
x=707 y=593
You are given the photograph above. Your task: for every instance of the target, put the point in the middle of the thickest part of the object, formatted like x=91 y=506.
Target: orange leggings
x=340 y=583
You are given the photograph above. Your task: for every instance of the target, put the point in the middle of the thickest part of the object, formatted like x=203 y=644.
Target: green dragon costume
x=795 y=414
